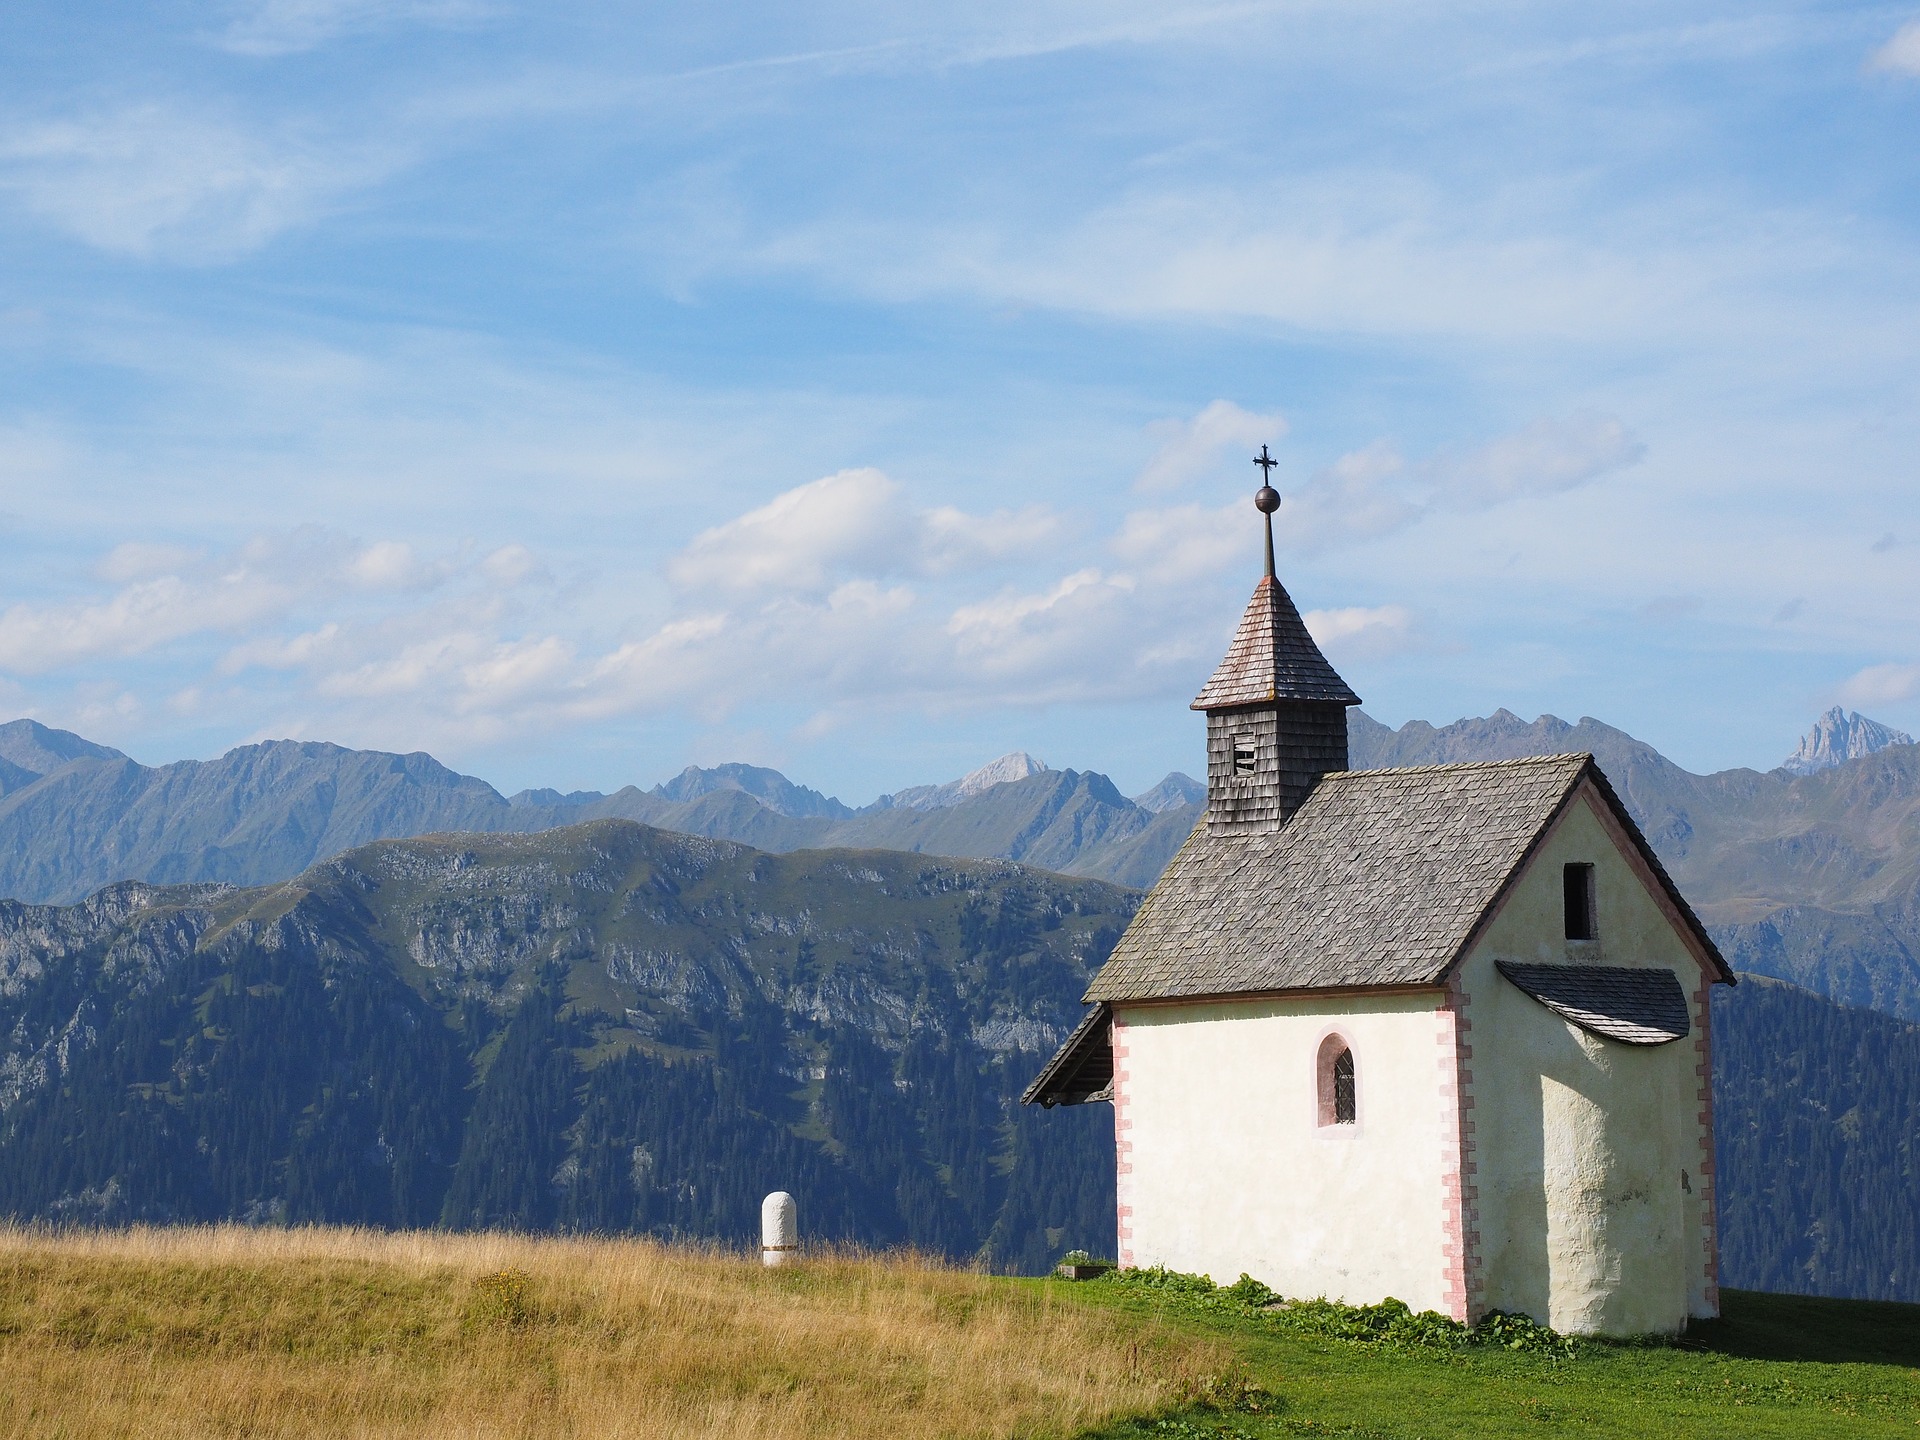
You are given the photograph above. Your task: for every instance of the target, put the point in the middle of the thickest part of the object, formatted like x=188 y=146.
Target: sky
x=868 y=390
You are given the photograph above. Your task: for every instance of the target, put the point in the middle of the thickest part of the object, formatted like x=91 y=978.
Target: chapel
x=1440 y=1034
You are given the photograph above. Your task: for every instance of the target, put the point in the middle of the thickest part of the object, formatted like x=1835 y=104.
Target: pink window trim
x=1331 y=1044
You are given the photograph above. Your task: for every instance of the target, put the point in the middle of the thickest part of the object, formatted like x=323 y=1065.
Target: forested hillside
x=602 y=1028
x=1817 y=1120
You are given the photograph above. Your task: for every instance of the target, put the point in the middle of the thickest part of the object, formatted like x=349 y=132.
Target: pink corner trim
x=1122 y=1145
x=1461 y=1282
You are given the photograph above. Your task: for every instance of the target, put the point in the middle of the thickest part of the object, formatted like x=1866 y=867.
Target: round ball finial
x=1266 y=499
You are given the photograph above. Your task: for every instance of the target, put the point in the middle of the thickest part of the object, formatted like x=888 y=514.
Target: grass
x=1773 y=1366
x=267 y=1333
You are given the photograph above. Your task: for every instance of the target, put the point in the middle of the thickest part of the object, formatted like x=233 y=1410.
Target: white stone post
x=779 y=1229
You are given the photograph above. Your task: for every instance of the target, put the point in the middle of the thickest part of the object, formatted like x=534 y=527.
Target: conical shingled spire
x=1272 y=658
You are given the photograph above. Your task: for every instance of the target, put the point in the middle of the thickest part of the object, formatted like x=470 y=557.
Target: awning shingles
x=1636 y=1006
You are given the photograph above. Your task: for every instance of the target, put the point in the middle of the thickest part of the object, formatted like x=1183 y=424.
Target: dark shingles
x=1272 y=657
x=1379 y=879
x=1080 y=1070
x=1638 y=1006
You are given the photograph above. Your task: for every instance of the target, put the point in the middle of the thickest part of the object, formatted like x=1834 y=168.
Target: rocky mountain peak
x=1007 y=769
x=1839 y=736
x=40 y=750
x=1172 y=793
x=769 y=787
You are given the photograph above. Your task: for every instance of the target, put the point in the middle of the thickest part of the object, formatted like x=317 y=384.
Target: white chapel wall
x=1591 y=1205
x=1226 y=1169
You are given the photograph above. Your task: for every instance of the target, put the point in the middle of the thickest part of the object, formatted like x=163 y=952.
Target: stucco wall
x=1592 y=1159
x=1225 y=1168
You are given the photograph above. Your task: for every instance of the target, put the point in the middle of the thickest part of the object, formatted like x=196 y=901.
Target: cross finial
x=1267 y=499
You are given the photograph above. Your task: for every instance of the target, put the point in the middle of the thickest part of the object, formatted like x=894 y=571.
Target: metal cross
x=1266 y=463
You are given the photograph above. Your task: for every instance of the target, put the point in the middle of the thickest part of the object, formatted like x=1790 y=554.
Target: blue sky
x=868 y=390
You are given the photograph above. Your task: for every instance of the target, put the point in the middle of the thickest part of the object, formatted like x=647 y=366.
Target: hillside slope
x=1817 y=1123
x=605 y=1027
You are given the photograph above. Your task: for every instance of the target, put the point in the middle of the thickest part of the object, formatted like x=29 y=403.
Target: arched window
x=1339 y=1097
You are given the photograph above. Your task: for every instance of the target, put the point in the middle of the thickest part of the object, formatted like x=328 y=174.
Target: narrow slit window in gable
x=1578 y=880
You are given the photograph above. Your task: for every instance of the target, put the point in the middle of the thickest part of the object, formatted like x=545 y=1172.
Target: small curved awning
x=1081 y=1070
x=1625 y=1003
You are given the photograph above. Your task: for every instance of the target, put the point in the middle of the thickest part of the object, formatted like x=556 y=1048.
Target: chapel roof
x=1080 y=1070
x=1272 y=657
x=1382 y=877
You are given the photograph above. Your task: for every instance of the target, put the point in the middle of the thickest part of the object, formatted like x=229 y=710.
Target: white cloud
x=1374 y=491
x=512 y=565
x=142 y=560
x=1017 y=633
x=802 y=539
x=156 y=182
x=1901 y=54
x=1887 y=684
x=1365 y=253
x=391 y=565
x=168 y=594
x=1547 y=457
x=1361 y=632
x=1192 y=448
x=283 y=27
x=951 y=540
x=138 y=618
x=1187 y=542
x=1362 y=494
x=812 y=537
x=271 y=652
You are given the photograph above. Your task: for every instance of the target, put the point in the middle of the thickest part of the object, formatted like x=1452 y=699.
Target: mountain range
x=613 y=1028
x=1812 y=878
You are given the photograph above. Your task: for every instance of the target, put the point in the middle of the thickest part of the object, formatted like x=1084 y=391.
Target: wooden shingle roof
x=1080 y=1070
x=1272 y=657
x=1381 y=878
x=1632 y=1004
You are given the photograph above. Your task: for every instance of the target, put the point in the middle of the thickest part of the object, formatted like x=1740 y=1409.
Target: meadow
x=275 y=1332
x=262 y=1333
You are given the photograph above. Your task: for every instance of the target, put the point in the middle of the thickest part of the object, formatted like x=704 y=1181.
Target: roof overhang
x=1081 y=1070
x=1635 y=1005
x=1299 y=992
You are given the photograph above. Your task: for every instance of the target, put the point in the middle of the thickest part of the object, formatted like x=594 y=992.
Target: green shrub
x=1391 y=1322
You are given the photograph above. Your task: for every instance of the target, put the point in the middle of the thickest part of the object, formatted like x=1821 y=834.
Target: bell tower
x=1276 y=710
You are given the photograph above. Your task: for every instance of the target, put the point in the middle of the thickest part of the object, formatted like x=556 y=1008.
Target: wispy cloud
x=1901 y=54
x=159 y=182
x=856 y=522
x=1889 y=684
x=1192 y=448
x=166 y=594
x=1363 y=632
x=285 y=27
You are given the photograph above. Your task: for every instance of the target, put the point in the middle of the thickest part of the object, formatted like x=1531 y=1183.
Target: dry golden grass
x=240 y=1332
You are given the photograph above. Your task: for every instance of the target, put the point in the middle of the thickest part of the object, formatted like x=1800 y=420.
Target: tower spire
x=1267 y=499
x=1276 y=710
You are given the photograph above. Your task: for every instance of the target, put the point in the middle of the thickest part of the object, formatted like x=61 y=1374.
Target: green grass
x=1774 y=1365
